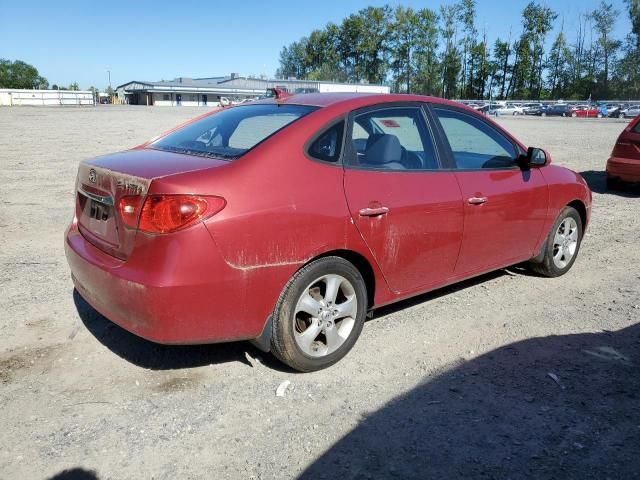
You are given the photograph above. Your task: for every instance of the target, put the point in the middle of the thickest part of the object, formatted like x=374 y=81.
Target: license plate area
x=99 y=211
x=98 y=217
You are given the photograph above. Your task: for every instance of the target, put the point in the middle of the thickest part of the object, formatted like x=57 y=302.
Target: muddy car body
x=286 y=220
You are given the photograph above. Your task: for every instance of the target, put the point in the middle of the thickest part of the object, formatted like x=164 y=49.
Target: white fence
x=16 y=97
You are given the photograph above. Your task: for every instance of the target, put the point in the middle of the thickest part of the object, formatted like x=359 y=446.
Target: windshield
x=231 y=133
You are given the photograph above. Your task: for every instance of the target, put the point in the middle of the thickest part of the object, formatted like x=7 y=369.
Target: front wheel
x=319 y=315
x=621 y=115
x=562 y=245
x=543 y=114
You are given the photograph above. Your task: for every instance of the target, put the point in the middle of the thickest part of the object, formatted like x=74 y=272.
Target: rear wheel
x=319 y=315
x=562 y=244
x=574 y=115
x=621 y=115
x=543 y=114
x=599 y=115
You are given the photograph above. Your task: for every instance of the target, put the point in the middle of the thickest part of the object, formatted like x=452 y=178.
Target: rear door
x=406 y=207
x=504 y=206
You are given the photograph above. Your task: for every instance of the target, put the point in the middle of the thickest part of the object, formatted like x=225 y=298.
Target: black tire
x=283 y=343
x=547 y=267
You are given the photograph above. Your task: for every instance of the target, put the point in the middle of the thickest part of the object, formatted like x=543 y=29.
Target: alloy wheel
x=325 y=315
x=565 y=242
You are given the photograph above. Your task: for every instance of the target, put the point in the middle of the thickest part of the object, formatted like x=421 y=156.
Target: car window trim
x=349 y=152
x=449 y=150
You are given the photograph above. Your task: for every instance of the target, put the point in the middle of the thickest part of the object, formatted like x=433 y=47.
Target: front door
x=204 y=100
x=408 y=211
x=178 y=99
x=504 y=207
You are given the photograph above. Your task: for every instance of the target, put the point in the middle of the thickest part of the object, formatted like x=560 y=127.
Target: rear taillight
x=167 y=213
x=129 y=208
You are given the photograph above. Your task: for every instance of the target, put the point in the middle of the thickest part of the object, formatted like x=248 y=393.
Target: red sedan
x=285 y=221
x=586 y=112
x=624 y=163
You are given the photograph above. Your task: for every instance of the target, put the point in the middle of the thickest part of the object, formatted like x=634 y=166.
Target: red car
x=586 y=112
x=624 y=163
x=286 y=220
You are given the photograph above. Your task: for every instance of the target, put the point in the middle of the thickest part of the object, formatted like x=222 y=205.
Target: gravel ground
x=505 y=376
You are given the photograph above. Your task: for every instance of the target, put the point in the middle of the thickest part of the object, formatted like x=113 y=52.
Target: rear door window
x=393 y=138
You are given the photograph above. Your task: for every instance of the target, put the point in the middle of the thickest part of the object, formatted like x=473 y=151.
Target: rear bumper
x=623 y=169
x=172 y=290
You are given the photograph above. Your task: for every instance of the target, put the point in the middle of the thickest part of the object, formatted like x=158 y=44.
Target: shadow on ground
x=75 y=474
x=597 y=181
x=556 y=407
x=155 y=356
x=451 y=289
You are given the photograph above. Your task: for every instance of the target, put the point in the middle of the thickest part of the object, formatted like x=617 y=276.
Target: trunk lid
x=103 y=181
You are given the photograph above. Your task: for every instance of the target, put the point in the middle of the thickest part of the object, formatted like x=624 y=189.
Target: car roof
x=354 y=100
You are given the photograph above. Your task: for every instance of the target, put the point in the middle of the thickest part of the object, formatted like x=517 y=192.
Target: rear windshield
x=636 y=129
x=231 y=133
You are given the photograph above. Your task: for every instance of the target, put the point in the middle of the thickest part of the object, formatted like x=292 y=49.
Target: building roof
x=231 y=84
x=356 y=100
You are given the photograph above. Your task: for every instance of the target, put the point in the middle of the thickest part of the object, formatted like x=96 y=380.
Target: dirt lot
x=453 y=384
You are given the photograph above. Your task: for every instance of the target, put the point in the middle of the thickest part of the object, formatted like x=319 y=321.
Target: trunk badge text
x=128 y=187
x=93 y=176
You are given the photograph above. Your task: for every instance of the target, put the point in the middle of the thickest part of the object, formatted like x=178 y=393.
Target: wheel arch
x=581 y=208
x=361 y=263
x=263 y=342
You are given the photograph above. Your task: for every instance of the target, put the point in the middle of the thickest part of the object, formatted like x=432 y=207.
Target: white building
x=216 y=90
x=18 y=97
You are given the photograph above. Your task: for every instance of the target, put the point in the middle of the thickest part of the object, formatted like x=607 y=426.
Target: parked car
x=558 y=110
x=586 y=111
x=510 y=109
x=532 y=108
x=613 y=109
x=285 y=221
x=631 y=111
x=624 y=163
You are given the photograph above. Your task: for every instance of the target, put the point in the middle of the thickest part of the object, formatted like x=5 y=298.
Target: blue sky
x=146 y=40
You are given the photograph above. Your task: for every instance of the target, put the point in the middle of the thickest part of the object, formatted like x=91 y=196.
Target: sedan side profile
x=285 y=221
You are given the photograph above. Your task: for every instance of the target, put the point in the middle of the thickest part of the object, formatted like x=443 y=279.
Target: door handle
x=373 y=212
x=477 y=200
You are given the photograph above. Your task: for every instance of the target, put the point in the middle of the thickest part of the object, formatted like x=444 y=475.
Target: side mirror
x=535 y=157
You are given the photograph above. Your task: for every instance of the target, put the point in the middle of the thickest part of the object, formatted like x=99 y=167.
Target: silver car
x=632 y=112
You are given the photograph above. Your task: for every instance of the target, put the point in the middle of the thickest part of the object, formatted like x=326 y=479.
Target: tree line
x=19 y=74
x=443 y=53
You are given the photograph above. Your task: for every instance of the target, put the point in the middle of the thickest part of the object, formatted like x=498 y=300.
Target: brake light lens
x=167 y=213
x=129 y=207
